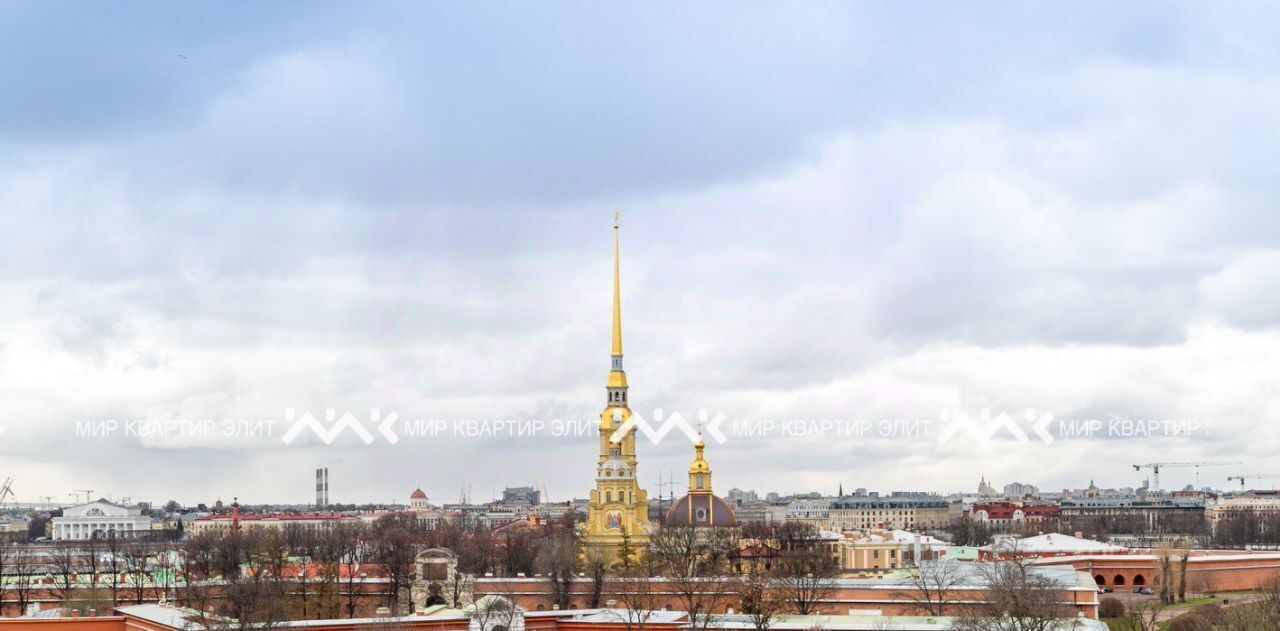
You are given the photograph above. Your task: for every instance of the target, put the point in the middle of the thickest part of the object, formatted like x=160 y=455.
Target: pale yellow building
x=870 y=552
x=225 y=523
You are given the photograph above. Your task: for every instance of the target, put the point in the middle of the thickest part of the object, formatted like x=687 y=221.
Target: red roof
x=418 y=495
x=1005 y=510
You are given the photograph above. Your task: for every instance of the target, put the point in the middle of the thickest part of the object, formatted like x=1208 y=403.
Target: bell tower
x=618 y=509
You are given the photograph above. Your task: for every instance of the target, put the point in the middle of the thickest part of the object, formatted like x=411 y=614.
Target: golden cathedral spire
x=617 y=295
x=617 y=383
x=618 y=509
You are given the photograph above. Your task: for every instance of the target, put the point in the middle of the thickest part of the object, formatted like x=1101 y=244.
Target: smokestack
x=917 y=549
x=322 y=487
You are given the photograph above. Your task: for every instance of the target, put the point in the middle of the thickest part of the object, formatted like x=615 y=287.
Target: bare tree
x=113 y=550
x=632 y=598
x=354 y=552
x=596 y=562
x=694 y=563
x=1019 y=598
x=255 y=602
x=1170 y=570
x=1140 y=615
x=495 y=611
x=64 y=565
x=806 y=573
x=934 y=588
x=23 y=565
x=302 y=542
x=557 y=560
x=136 y=570
x=760 y=599
x=394 y=546
x=6 y=554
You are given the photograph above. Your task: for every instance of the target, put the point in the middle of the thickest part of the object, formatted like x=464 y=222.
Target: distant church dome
x=417 y=495
x=700 y=507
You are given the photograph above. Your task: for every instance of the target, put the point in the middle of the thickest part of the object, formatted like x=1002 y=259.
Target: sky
x=844 y=226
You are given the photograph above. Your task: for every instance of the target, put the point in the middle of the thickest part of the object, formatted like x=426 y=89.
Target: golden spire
x=617 y=381
x=617 y=294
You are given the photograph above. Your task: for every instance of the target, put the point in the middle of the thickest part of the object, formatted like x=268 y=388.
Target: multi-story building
x=1017 y=490
x=1006 y=515
x=100 y=519
x=551 y=511
x=808 y=509
x=762 y=513
x=526 y=495
x=1243 y=504
x=269 y=521
x=869 y=552
x=905 y=510
x=1135 y=515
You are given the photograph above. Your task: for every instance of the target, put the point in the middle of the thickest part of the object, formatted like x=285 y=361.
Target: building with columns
x=100 y=519
x=617 y=509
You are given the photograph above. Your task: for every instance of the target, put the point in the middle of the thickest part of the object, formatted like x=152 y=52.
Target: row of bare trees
x=92 y=574
x=1248 y=528
x=1014 y=594
x=762 y=571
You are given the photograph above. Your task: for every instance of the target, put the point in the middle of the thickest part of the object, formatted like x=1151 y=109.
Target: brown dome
x=701 y=509
x=417 y=495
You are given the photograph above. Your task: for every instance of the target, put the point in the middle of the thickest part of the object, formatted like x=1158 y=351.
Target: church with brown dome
x=700 y=507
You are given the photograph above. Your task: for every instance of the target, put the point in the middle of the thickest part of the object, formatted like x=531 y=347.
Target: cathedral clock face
x=613 y=519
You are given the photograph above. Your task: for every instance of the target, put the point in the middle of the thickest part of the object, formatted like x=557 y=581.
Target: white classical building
x=101 y=519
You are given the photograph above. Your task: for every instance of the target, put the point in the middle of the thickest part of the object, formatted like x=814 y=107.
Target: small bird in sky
x=182 y=55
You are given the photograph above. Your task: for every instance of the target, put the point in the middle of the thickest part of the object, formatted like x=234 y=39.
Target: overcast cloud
x=830 y=211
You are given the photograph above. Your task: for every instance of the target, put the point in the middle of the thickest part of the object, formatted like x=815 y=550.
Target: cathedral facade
x=617 y=525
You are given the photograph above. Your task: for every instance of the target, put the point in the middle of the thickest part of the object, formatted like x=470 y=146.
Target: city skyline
x=914 y=214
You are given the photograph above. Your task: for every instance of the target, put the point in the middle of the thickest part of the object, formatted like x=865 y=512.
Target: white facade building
x=808 y=509
x=102 y=519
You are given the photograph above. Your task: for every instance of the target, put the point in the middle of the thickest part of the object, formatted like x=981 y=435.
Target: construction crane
x=88 y=494
x=1156 y=466
x=1242 y=478
x=6 y=491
